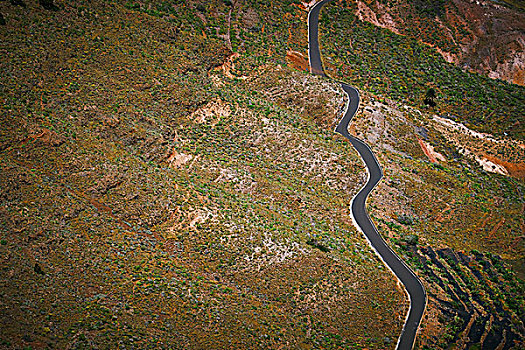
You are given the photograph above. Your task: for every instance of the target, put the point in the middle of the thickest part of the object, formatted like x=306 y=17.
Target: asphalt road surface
x=314 y=55
x=412 y=284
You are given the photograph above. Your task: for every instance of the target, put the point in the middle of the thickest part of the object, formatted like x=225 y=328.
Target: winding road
x=414 y=288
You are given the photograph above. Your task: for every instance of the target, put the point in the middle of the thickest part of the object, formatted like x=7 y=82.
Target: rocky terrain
x=170 y=177
x=487 y=37
x=404 y=69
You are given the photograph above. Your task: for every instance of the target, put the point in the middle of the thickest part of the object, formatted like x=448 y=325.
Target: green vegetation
x=150 y=200
x=159 y=192
x=400 y=68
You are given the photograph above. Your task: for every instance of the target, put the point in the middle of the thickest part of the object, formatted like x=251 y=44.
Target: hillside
x=171 y=179
x=395 y=66
x=486 y=37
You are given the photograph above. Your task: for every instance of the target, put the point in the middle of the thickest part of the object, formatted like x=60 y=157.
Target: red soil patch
x=352 y=130
x=515 y=169
x=427 y=152
x=297 y=60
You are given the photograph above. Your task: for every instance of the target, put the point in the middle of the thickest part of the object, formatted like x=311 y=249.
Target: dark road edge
x=413 y=286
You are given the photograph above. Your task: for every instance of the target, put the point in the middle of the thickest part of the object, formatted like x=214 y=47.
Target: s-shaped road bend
x=414 y=288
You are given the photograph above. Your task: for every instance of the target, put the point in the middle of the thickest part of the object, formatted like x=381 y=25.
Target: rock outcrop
x=480 y=36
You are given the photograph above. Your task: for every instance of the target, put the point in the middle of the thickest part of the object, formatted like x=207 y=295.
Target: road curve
x=414 y=288
x=314 y=54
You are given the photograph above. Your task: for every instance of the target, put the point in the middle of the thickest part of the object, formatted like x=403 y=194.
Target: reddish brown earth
x=297 y=60
x=514 y=169
x=480 y=36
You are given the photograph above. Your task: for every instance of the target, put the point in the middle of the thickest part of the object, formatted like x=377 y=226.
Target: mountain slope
x=159 y=191
x=485 y=37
